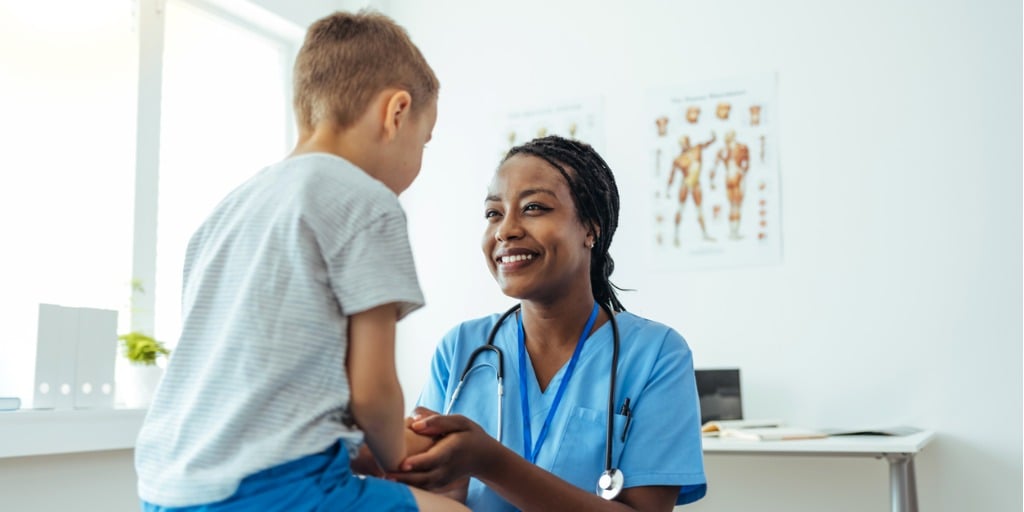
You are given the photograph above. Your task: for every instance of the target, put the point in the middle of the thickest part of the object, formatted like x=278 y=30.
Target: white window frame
x=150 y=22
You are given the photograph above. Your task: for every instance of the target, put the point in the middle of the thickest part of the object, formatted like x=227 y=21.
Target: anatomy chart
x=714 y=174
x=581 y=119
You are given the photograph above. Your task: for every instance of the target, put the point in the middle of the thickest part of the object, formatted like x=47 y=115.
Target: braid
x=597 y=202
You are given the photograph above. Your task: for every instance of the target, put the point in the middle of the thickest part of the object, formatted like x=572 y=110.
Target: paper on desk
x=887 y=431
x=715 y=428
x=772 y=433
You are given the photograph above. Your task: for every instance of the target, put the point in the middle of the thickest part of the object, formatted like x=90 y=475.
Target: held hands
x=366 y=464
x=442 y=452
x=460 y=450
x=416 y=443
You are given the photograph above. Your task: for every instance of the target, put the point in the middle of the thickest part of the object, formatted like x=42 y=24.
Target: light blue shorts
x=321 y=482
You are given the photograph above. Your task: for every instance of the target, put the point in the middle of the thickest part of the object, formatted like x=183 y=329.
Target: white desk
x=26 y=433
x=898 y=450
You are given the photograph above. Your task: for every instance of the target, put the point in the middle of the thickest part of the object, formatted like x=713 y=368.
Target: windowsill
x=32 y=432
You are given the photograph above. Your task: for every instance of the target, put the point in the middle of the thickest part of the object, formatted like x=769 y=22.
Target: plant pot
x=136 y=385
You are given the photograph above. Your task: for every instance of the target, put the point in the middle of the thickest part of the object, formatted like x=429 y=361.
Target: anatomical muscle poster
x=714 y=174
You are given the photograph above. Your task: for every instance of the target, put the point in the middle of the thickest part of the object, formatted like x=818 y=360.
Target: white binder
x=75 y=355
x=97 y=350
x=56 y=353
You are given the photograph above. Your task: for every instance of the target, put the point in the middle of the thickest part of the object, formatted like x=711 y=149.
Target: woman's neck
x=553 y=326
x=553 y=331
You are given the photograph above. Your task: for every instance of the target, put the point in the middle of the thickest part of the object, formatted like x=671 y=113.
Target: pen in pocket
x=628 y=413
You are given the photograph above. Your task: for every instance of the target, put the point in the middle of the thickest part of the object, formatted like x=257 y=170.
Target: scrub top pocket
x=581 y=448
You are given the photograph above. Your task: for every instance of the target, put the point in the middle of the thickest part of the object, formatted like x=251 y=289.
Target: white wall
x=899 y=298
x=84 y=482
x=302 y=13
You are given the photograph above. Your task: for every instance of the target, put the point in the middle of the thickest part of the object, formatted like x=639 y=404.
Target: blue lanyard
x=530 y=450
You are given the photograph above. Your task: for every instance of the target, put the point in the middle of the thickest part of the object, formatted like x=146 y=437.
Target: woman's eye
x=490 y=213
x=534 y=207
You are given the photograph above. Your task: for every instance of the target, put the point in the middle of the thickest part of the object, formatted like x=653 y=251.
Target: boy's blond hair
x=347 y=59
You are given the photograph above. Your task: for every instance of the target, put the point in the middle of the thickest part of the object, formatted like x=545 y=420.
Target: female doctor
x=551 y=211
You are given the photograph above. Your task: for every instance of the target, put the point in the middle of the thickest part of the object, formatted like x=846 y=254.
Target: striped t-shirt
x=258 y=376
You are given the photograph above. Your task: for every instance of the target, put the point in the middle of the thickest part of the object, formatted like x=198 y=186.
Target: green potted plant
x=145 y=355
x=142 y=349
x=139 y=379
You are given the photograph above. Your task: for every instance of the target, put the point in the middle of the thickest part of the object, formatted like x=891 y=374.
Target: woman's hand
x=416 y=443
x=461 y=448
x=366 y=464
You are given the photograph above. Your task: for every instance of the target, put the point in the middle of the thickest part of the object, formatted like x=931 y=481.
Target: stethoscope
x=611 y=481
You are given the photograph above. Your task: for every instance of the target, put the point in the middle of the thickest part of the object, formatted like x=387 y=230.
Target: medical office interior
x=894 y=295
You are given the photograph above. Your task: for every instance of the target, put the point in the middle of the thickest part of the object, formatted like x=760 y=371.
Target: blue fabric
x=321 y=482
x=663 y=444
x=530 y=451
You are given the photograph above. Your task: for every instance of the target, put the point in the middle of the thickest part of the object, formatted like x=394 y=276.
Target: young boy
x=292 y=289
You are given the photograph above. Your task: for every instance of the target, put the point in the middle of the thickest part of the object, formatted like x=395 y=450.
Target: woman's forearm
x=532 y=489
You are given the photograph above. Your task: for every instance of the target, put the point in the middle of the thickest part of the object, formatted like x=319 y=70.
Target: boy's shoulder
x=324 y=167
x=330 y=178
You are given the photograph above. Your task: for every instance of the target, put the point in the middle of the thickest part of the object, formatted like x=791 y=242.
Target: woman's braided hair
x=597 y=201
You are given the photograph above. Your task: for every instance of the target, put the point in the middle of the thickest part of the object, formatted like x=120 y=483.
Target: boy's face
x=409 y=143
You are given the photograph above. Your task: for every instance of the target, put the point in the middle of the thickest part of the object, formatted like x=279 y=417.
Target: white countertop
x=30 y=432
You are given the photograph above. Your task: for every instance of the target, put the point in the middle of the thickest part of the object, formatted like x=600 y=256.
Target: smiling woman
x=595 y=391
x=532 y=199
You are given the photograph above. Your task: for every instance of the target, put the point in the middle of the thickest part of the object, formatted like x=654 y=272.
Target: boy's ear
x=396 y=112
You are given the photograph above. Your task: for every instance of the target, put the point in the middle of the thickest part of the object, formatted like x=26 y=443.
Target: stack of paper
x=758 y=430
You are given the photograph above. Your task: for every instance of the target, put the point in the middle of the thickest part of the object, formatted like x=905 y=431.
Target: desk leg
x=902 y=485
x=911 y=484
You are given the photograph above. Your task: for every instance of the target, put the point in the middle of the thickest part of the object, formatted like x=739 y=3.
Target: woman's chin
x=512 y=289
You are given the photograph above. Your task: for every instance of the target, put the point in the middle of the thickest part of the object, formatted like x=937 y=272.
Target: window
x=68 y=75
x=224 y=116
x=90 y=94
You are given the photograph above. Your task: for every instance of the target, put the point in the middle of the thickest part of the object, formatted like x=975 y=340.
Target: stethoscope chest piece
x=609 y=485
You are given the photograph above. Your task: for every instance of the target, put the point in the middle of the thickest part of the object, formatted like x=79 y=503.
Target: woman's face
x=535 y=245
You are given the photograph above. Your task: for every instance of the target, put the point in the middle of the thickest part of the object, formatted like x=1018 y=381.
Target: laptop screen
x=719 y=394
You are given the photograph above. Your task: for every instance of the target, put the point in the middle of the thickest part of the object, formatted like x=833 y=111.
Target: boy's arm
x=366 y=464
x=376 y=398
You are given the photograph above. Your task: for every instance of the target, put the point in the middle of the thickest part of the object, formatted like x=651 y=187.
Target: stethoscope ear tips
x=610 y=484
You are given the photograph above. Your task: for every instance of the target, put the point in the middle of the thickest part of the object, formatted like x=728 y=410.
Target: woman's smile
x=512 y=261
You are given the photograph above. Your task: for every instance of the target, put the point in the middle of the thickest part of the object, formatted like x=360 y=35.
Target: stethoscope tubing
x=500 y=371
x=611 y=391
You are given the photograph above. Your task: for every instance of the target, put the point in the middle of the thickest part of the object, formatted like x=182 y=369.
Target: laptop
x=719 y=393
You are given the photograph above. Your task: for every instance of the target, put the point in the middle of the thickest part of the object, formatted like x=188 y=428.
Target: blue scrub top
x=655 y=371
